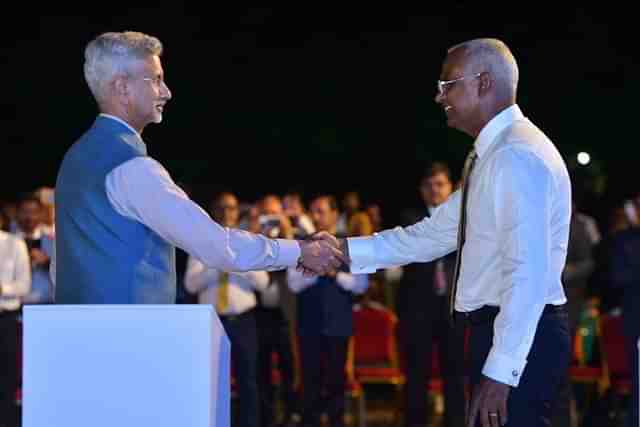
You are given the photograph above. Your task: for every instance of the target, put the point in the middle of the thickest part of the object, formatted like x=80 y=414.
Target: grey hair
x=492 y=56
x=112 y=53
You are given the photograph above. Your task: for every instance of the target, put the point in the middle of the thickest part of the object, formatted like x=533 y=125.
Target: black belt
x=487 y=313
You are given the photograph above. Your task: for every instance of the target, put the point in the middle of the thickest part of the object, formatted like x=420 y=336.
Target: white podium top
x=125 y=365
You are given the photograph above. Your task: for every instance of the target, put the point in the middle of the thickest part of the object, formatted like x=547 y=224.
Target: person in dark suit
x=625 y=274
x=421 y=304
x=324 y=327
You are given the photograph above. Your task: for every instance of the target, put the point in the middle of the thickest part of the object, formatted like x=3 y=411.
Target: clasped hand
x=321 y=254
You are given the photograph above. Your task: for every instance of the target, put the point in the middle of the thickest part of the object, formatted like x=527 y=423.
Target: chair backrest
x=614 y=348
x=374 y=335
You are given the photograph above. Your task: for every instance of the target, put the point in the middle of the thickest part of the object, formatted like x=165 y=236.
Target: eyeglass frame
x=442 y=84
x=158 y=81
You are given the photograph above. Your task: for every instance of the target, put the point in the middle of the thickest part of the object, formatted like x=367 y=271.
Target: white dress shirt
x=355 y=283
x=141 y=189
x=204 y=281
x=15 y=271
x=41 y=289
x=519 y=213
x=270 y=297
x=394 y=274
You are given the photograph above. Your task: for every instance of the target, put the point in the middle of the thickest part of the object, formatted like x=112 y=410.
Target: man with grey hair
x=510 y=226
x=119 y=215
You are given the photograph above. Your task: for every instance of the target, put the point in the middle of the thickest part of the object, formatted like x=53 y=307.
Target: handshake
x=322 y=253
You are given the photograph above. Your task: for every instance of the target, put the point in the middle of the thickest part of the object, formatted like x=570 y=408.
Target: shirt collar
x=118 y=119
x=496 y=125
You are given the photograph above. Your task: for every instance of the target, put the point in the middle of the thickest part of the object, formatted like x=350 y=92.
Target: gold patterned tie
x=462 y=225
x=222 y=300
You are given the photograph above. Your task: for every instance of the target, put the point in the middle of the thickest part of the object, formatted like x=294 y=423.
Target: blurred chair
x=587 y=380
x=376 y=349
x=616 y=363
x=587 y=363
x=616 y=370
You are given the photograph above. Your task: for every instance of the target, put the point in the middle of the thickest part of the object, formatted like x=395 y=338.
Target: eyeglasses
x=157 y=81
x=444 y=84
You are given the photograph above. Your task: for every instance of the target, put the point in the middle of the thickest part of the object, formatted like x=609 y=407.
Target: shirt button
x=514 y=373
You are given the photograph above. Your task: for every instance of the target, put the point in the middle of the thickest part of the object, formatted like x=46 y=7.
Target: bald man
x=510 y=221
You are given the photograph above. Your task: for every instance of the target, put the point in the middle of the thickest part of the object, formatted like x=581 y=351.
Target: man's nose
x=166 y=92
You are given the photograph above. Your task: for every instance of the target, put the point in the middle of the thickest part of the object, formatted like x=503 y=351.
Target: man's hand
x=326 y=236
x=320 y=257
x=340 y=244
x=489 y=403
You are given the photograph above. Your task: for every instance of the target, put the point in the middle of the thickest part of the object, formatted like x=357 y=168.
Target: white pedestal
x=125 y=366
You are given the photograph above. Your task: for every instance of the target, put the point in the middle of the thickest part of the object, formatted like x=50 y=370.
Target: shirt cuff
x=288 y=253
x=362 y=254
x=342 y=279
x=503 y=368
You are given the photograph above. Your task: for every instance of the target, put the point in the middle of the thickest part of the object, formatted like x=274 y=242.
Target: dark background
x=325 y=99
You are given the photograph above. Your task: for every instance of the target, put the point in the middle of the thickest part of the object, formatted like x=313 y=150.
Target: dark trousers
x=418 y=329
x=274 y=336
x=241 y=330
x=632 y=351
x=530 y=404
x=8 y=367
x=323 y=361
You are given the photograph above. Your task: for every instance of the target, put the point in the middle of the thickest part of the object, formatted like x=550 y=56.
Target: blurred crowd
x=302 y=327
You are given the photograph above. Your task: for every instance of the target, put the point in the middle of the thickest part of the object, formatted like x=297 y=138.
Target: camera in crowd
x=270 y=225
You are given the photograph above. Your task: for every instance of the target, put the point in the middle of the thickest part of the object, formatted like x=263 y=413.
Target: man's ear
x=485 y=85
x=121 y=86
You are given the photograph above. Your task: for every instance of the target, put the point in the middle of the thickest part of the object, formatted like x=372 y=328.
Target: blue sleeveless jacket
x=103 y=257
